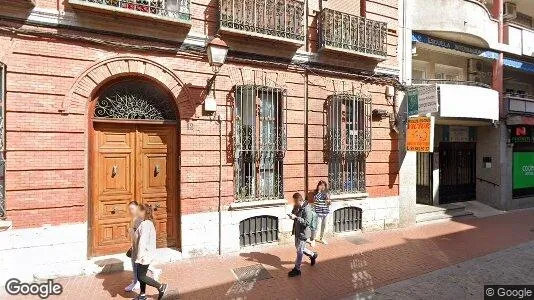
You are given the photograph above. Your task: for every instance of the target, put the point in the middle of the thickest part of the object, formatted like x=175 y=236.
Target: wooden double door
x=132 y=162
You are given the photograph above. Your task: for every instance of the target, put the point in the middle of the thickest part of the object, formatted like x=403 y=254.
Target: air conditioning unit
x=474 y=66
x=510 y=11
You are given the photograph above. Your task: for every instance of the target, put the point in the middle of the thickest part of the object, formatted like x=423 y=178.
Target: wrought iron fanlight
x=134 y=100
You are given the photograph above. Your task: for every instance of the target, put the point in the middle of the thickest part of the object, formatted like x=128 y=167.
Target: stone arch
x=89 y=81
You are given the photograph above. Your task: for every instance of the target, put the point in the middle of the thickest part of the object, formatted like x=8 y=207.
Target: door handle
x=114 y=210
x=156 y=170
x=114 y=170
x=156 y=206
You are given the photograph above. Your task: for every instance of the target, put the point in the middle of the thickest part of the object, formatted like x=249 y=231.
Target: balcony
x=519 y=104
x=520 y=39
x=465 y=99
x=347 y=33
x=171 y=11
x=465 y=21
x=280 y=20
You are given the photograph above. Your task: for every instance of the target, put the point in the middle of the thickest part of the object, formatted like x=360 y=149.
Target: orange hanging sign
x=420 y=134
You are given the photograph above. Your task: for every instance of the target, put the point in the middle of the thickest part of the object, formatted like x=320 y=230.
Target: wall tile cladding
x=47 y=149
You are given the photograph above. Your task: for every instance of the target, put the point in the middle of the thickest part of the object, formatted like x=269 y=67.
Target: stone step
x=442 y=213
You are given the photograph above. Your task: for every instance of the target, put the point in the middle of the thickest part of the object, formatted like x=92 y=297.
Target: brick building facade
x=63 y=58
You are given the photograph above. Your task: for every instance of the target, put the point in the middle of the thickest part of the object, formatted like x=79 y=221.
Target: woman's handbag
x=129 y=253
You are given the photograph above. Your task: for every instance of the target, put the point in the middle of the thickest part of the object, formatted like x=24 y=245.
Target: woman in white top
x=133 y=209
x=143 y=251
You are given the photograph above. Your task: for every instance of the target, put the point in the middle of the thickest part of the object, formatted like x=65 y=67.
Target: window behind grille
x=347 y=219
x=348 y=141
x=258 y=230
x=259 y=140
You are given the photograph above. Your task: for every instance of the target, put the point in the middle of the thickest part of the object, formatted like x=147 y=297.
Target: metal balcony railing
x=353 y=33
x=276 y=18
x=175 y=9
x=444 y=81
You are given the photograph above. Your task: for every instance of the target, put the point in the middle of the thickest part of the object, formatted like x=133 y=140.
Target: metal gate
x=457 y=172
x=424 y=178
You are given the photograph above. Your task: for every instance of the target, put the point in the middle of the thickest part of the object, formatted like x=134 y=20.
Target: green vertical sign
x=413 y=102
x=523 y=170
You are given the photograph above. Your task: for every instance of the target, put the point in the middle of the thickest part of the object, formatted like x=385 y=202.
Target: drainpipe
x=220 y=182
x=306 y=159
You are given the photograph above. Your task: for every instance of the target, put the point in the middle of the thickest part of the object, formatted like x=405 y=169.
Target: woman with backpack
x=321 y=205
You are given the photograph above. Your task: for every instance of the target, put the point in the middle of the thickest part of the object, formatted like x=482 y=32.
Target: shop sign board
x=458 y=134
x=522 y=134
x=422 y=100
x=523 y=170
x=420 y=134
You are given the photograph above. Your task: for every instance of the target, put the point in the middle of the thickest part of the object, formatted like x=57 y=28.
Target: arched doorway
x=133 y=157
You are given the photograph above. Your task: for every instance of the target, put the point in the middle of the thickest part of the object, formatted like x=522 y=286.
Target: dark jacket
x=301 y=224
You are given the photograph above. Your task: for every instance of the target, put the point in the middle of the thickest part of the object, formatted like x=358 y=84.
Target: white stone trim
x=258 y=203
x=5 y=225
x=349 y=196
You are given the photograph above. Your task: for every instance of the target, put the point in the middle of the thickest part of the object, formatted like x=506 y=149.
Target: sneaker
x=131 y=287
x=140 y=297
x=293 y=273
x=162 y=290
x=156 y=274
x=314 y=258
x=312 y=243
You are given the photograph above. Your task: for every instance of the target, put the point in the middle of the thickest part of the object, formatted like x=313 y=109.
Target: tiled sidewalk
x=345 y=266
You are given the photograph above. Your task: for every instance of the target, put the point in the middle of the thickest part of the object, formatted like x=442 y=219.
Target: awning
x=450 y=45
x=471 y=50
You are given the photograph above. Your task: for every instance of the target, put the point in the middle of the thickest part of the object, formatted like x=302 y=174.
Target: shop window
x=348 y=142
x=258 y=230
x=260 y=142
x=348 y=219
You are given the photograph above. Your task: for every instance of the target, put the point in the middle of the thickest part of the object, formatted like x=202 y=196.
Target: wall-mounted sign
x=422 y=100
x=522 y=134
x=458 y=134
x=413 y=102
x=420 y=134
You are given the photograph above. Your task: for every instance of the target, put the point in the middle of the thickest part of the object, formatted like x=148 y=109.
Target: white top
x=144 y=243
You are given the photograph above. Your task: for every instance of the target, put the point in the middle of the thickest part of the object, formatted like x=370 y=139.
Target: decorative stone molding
x=89 y=81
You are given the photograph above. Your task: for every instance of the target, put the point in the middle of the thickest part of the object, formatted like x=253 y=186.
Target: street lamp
x=217 y=51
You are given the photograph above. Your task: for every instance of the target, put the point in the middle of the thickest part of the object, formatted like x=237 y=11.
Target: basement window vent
x=258 y=230
x=347 y=219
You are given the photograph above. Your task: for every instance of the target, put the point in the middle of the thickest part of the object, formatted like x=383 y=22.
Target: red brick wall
x=46 y=177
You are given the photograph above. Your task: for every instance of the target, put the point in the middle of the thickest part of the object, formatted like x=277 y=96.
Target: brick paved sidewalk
x=345 y=266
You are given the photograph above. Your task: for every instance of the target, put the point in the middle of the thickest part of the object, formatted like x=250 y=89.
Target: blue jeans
x=301 y=250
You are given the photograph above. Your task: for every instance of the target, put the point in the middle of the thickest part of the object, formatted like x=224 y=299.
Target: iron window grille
x=353 y=33
x=348 y=141
x=260 y=127
x=279 y=18
x=348 y=219
x=258 y=230
x=134 y=100
x=2 y=141
x=176 y=9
